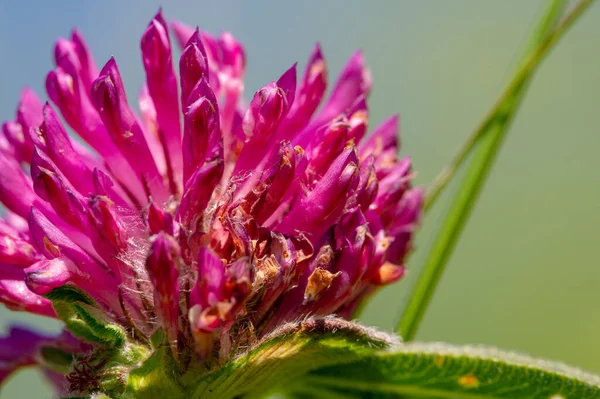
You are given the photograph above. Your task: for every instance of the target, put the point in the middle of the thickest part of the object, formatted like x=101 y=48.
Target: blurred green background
x=526 y=274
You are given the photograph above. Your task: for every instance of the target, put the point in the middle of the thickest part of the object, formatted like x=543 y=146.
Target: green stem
x=529 y=65
x=489 y=137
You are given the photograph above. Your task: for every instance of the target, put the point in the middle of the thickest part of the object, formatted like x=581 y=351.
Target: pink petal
x=108 y=96
x=198 y=192
x=163 y=265
x=201 y=129
x=316 y=210
x=162 y=87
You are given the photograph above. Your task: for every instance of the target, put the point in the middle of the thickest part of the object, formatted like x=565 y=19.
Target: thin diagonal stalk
x=489 y=137
x=530 y=64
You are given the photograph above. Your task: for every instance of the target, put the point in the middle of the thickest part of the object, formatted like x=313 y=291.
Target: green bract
x=329 y=357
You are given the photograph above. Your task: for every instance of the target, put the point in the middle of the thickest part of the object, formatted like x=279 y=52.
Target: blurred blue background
x=526 y=273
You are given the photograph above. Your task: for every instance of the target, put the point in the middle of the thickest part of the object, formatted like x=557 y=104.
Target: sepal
x=83 y=318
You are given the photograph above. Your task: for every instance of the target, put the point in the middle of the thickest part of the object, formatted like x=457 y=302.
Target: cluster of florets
x=214 y=228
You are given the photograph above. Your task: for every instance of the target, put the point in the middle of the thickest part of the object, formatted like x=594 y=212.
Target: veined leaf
x=278 y=360
x=444 y=371
x=333 y=358
x=291 y=352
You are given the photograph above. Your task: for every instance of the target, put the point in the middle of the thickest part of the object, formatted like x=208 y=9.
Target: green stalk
x=487 y=137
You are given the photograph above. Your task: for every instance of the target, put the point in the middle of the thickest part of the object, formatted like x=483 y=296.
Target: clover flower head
x=203 y=223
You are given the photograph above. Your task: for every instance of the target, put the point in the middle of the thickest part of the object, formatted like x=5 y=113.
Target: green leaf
x=99 y=325
x=334 y=359
x=269 y=366
x=291 y=352
x=69 y=294
x=83 y=318
x=444 y=371
x=156 y=378
x=487 y=140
